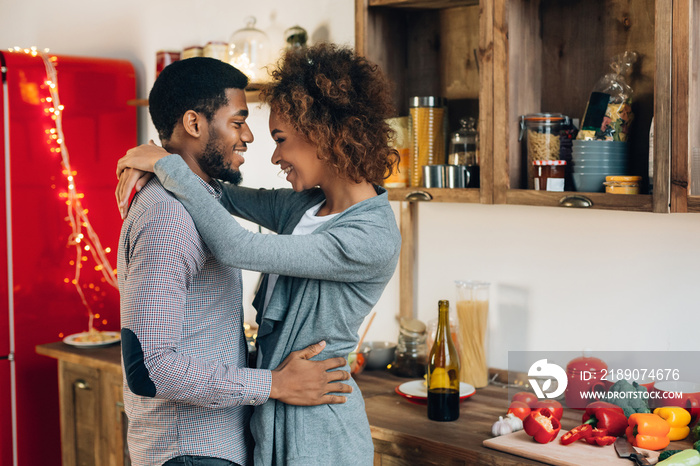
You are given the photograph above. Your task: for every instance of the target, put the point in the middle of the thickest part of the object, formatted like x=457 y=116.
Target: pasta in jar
x=542 y=139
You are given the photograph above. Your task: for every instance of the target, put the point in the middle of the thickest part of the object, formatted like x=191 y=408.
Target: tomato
x=519 y=409
x=554 y=406
x=526 y=397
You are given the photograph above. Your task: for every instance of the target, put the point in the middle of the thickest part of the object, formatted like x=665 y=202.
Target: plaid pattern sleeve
x=188 y=389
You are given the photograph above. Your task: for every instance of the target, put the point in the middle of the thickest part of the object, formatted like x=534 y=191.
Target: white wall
x=562 y=279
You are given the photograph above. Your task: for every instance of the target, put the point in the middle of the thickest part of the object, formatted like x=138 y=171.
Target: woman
x=338 y=242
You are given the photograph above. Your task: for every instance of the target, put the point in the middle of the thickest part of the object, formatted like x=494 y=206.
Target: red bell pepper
x=601 y=438
x=606 y=416
x=542 y=425
x=577 y=433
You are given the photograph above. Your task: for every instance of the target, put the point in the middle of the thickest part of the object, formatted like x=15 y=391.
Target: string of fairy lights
x=83 y=237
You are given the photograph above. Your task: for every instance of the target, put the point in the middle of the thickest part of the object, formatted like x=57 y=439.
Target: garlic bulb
x=515 y=422
x=501 y=427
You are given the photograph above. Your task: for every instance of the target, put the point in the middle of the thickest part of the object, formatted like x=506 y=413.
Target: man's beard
x=213 y=164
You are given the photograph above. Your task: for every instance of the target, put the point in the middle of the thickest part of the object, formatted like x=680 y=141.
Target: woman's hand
x=133 y=172
x=143 y=157
x=130 y=179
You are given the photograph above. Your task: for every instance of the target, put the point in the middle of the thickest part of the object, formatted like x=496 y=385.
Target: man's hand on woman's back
x=300 y=381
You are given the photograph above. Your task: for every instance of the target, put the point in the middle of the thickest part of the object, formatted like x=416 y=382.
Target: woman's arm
x=355 y=252
x=257 y=205
x=134 y=170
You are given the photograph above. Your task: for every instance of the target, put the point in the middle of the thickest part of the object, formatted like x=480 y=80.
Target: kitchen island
x=93 y=423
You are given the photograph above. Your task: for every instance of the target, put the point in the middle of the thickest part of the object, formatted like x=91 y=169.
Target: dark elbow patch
x=134 y=367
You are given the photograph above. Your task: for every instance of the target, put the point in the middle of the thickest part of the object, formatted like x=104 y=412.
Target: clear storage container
x=540 y=135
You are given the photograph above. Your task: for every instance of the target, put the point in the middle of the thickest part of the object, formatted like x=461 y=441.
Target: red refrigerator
x=65 y=122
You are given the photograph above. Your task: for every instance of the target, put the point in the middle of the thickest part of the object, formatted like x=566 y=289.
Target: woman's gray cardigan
x=329 y=282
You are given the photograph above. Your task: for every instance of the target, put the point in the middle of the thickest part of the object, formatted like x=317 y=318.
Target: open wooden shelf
x=428 y=4
x=629 y=202
x=434 y=194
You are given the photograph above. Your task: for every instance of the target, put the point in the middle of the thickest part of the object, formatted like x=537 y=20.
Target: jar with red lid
x=540 y=134
x=164 y=58
x=549 y=175
x=584 y=374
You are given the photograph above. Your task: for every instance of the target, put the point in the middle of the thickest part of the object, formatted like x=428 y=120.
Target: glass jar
x=295 y=36
x=549 y=175
x=216 y=49
x=540 y=134
x=248 y=50
x=192 y=51
x=427 y=131
x=463 y=144
x=472 y=315
x=411 y=349
x=464 y=150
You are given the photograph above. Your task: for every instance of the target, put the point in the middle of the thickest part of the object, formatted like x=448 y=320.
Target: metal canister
x=427 y=133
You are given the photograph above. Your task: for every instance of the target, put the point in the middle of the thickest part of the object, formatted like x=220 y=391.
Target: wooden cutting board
x=576 y=454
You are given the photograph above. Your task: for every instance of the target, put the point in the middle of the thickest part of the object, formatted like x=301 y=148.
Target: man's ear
x=193 y=123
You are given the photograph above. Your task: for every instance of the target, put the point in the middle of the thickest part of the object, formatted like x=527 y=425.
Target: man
x=187 y=390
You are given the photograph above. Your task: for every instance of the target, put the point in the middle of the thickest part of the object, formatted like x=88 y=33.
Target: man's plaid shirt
x=187 y=388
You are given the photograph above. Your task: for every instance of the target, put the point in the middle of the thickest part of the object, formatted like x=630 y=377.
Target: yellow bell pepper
x=678 y=420
x=648 y=430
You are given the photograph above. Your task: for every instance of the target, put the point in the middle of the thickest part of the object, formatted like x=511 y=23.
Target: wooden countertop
x=400 y=428
x=396 y=421
x=105 y=358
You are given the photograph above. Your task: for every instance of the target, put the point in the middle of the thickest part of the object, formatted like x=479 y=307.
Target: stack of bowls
x=592 y=161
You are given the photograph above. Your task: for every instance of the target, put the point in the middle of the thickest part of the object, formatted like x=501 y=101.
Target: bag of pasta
x=609 y=114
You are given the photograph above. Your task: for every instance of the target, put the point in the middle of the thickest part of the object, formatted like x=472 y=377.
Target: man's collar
x=213 y=188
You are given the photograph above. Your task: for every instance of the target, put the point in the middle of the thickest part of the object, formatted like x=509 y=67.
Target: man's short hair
x=197 y=83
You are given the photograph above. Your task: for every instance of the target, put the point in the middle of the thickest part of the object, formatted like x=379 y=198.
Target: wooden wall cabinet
x=517 y=57
x=684 y=137
x=548 y=56
x=433 y=47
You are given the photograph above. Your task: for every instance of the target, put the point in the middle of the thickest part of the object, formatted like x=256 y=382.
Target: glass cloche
x=248 y=50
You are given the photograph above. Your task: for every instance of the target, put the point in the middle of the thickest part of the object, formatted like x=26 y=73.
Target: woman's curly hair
x=339 y=102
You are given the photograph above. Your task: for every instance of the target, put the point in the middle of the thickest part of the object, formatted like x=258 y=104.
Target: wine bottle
x=443 y=371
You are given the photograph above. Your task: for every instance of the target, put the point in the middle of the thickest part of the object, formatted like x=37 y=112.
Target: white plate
x=417 y=390
x=74 y=340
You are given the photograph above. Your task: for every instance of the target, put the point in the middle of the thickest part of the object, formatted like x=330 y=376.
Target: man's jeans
x=198 y=461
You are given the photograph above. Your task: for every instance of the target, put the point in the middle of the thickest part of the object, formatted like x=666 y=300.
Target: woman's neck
x=343 y=194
